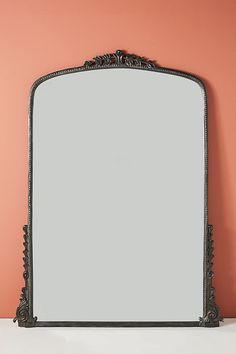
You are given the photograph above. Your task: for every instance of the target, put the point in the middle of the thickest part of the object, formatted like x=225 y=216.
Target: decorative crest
x=212 y=316
x=22 y=312
x=119 y=58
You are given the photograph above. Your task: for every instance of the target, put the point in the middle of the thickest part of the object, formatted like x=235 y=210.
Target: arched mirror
x=118 y=230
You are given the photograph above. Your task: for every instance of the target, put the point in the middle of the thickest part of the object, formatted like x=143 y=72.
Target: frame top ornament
x=120 y=58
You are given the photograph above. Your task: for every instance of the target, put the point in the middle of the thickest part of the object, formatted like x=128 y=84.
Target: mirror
x=118 y=230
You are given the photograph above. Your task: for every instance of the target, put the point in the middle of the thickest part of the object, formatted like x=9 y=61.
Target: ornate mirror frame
x=24 y=312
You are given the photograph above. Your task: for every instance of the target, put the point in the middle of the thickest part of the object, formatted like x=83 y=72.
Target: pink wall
x=38 y=37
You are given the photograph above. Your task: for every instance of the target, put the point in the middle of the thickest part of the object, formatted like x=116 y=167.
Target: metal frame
x=24 y=312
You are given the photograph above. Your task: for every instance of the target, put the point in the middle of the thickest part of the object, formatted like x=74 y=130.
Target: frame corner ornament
x=23 y=314
x=120 y=58
x=212 y=315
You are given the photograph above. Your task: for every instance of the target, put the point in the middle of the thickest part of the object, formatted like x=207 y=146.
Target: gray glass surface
x=118 y=197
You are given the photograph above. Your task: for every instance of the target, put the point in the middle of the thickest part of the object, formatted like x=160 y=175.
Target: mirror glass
x=118 y=197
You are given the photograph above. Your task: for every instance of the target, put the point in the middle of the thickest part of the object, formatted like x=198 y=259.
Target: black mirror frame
x=24 y=312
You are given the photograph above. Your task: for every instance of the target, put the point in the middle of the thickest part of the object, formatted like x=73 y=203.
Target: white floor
x=15 y=340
